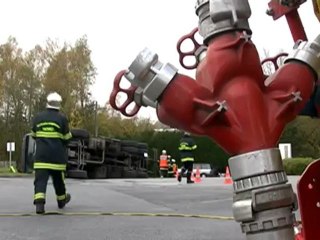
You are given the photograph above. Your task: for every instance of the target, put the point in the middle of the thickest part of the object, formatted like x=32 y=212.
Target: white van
x=205 y=170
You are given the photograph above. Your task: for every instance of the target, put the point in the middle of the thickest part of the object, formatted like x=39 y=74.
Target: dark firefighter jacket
x=186 y=148
x=50 y=129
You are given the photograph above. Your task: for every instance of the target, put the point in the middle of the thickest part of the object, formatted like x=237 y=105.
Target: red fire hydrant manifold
x=236 y=105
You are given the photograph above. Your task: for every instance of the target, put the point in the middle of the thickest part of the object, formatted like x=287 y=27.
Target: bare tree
x=271 y=63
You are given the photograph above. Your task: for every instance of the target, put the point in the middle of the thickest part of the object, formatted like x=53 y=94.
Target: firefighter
x=163 y=164
x=50 y=129
x=186 y=148
x=174 y=167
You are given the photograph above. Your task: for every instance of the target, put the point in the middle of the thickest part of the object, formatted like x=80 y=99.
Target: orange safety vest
x=163 y=162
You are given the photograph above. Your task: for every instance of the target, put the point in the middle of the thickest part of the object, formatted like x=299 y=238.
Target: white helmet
x=186 y=134
x=54 y=101
x=164 y=152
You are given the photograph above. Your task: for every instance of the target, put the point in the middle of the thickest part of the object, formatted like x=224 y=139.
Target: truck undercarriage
x=96 y=157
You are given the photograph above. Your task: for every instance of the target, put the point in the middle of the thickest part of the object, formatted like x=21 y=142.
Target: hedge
x=296 y=166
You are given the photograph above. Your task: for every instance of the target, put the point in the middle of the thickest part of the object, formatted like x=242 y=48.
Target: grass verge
x=7 y=172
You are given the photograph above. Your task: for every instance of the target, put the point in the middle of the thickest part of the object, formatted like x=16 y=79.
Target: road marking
x=211 y=217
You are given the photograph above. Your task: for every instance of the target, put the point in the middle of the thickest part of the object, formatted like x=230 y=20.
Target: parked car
x=205 y=170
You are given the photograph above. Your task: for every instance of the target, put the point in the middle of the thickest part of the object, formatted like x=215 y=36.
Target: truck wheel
x=131 y=150
x=80 y=133
x=143 y=148
x=143 y=145
x=129 y=173
x=100 y=172
x=80 y=174
x=129 y=143
x=141 y=173
x=114 y=149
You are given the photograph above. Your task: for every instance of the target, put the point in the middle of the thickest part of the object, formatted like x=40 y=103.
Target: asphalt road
x=121 y=209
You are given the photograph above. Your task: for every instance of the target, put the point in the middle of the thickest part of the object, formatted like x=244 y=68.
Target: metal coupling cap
x=218 y=16
x=200 y=3
x=151 y=76
x=309 y=53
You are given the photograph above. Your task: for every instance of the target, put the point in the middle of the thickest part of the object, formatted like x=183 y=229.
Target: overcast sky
x=118 y=30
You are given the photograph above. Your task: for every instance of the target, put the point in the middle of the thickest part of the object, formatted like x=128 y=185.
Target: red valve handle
x=182 y=54
x=130 y=96
x=274 y=60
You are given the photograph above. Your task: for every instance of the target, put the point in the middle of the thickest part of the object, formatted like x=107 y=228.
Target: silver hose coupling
x=308 y=53
x=150 y=76
x=217 y=16
x=263 y=202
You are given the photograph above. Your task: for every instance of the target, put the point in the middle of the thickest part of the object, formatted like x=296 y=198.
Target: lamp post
x=96 y=127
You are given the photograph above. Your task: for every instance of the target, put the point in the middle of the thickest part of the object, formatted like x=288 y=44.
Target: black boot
x=62 y=203
x=40 y=208
x=189 y=178
x=179 y=178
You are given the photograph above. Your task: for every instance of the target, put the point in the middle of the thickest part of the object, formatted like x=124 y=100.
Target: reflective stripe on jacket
x=185 y=159
x=52 y=166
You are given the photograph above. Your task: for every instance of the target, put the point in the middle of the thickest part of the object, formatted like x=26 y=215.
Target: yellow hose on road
x=211 y=217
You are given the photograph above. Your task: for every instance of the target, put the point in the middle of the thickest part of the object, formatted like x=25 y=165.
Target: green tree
x=13 y=109
x=71 y=73
x=304 y=135
x=26 y=78
x=268 y=67
x=34 y=70
x=109 y=122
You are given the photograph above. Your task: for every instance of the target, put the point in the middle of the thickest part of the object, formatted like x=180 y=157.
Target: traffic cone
x=227 y=178
x=299 y=236
x=197 y=179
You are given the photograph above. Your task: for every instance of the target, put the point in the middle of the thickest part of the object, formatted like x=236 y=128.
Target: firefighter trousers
x=187 y=167
x=41 y=181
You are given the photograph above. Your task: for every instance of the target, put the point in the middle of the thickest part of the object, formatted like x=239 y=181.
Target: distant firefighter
x=163 y=164
x=186 y=148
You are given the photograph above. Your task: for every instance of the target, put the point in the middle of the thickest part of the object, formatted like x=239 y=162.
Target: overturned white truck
x=95 y=157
